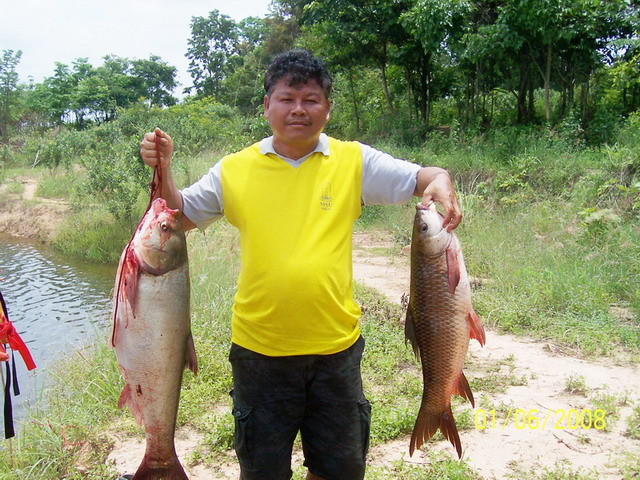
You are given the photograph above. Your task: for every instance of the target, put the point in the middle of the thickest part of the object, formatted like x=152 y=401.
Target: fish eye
x=423 y=227
x=164 y=226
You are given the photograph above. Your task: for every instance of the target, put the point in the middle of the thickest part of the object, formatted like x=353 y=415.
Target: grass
x=558 y=471
x=633 y=424
x=71 y=432
x=59 y=183
x=438 y=467
x=556 y=268
x=14 y=188
x=576 y=385
x=92 y=233
x=606 y=406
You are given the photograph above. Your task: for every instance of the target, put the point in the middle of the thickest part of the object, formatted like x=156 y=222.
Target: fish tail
x=174 y=471
x=428 y=423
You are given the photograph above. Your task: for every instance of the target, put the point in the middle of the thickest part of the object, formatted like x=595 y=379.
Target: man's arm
x=434 y=184
x=149 y=154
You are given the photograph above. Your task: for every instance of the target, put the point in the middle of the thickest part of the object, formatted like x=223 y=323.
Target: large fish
x=440 y=321
x=152 y=334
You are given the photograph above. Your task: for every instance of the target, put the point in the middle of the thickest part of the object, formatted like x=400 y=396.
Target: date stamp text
x=532 y=419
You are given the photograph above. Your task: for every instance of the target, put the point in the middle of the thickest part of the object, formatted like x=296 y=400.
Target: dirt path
x=29 y=216
x=495 y=451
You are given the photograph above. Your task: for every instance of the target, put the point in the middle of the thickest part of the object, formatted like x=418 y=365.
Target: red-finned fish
x=440 y=321
x=152 y=334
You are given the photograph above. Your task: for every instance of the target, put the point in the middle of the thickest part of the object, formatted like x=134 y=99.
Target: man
x=296 y=345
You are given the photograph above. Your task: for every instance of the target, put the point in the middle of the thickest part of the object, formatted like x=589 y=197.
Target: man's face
x=297 y=114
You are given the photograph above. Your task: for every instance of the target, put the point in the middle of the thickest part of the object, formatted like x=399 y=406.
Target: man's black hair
x=298 y=66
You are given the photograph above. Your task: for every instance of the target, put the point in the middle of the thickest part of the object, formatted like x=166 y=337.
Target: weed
x=576 y=384
x=629 y=465
x=439 y=467
x=59 y=184
x=94 y=234
x=555 y=472
x=498 y=376
x=633 y=424
x=609 y=404
x=14 y=188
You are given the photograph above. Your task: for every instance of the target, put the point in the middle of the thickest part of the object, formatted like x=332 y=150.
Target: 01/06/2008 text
x=533 y=419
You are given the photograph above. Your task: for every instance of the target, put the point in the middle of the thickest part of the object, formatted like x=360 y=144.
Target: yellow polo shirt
x=295 y=289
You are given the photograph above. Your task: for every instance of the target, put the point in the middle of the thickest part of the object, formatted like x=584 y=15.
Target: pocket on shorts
x=242 y=419
x=364 y=407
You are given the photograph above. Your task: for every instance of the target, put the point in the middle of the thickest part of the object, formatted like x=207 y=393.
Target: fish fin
x=127 y=399
x=477 y=330
x=453 y=269
x=428 y=424
x=174 y=471
x=463 y=389
x=191 y=360
x=127 y=285
x=410 y=332
x=130 y=279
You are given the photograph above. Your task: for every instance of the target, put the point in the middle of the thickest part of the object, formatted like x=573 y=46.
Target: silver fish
x=152 y=334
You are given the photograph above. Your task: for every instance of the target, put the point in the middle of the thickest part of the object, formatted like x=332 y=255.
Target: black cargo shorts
x=318 y=395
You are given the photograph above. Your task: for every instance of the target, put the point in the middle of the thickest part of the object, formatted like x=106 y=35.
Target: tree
x=431 y=25
x=213 y=51
x=157 y=80
x=9 y=93
x=358 y=33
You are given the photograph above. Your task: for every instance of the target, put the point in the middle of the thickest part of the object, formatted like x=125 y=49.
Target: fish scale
x=440 y=321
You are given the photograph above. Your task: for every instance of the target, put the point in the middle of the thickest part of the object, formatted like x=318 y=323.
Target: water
x=56 y=304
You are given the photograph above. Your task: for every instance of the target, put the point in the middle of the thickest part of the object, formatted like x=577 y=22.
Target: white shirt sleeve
x=202 y=201
x=385 y=179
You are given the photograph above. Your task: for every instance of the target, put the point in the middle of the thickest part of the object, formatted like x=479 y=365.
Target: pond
x=56 y=304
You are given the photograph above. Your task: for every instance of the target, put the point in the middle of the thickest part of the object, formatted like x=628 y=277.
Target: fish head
x=429 y=238
x=160 y=241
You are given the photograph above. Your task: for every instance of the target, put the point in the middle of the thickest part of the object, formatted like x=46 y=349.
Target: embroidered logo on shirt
x=326 y=199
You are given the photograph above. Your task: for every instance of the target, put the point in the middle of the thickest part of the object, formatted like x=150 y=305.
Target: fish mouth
x=428 y=206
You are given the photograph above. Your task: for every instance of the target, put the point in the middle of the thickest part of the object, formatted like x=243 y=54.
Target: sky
x=50 y=31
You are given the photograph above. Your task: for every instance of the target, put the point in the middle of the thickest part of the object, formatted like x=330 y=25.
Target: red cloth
x=8 y=334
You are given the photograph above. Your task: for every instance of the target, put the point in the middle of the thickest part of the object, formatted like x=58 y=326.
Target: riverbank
x=23 y=214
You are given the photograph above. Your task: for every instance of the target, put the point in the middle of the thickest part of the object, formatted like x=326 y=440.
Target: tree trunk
x=531 y=109
x=522 y=93
x=410 y=103
x=547 y=86
x=356 y=110
x=385 y=86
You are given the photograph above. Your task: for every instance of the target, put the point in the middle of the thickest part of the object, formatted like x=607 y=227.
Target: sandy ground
x=33 y=217
x=504 y=446
x=508 y=445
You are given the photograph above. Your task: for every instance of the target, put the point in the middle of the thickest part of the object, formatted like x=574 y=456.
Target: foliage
x=93 y=234
x=83 y=94
x=633 y=423
x=9 y=95
x=213 y=51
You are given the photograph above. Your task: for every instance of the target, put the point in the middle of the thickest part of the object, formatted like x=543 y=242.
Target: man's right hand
x=148 y=150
